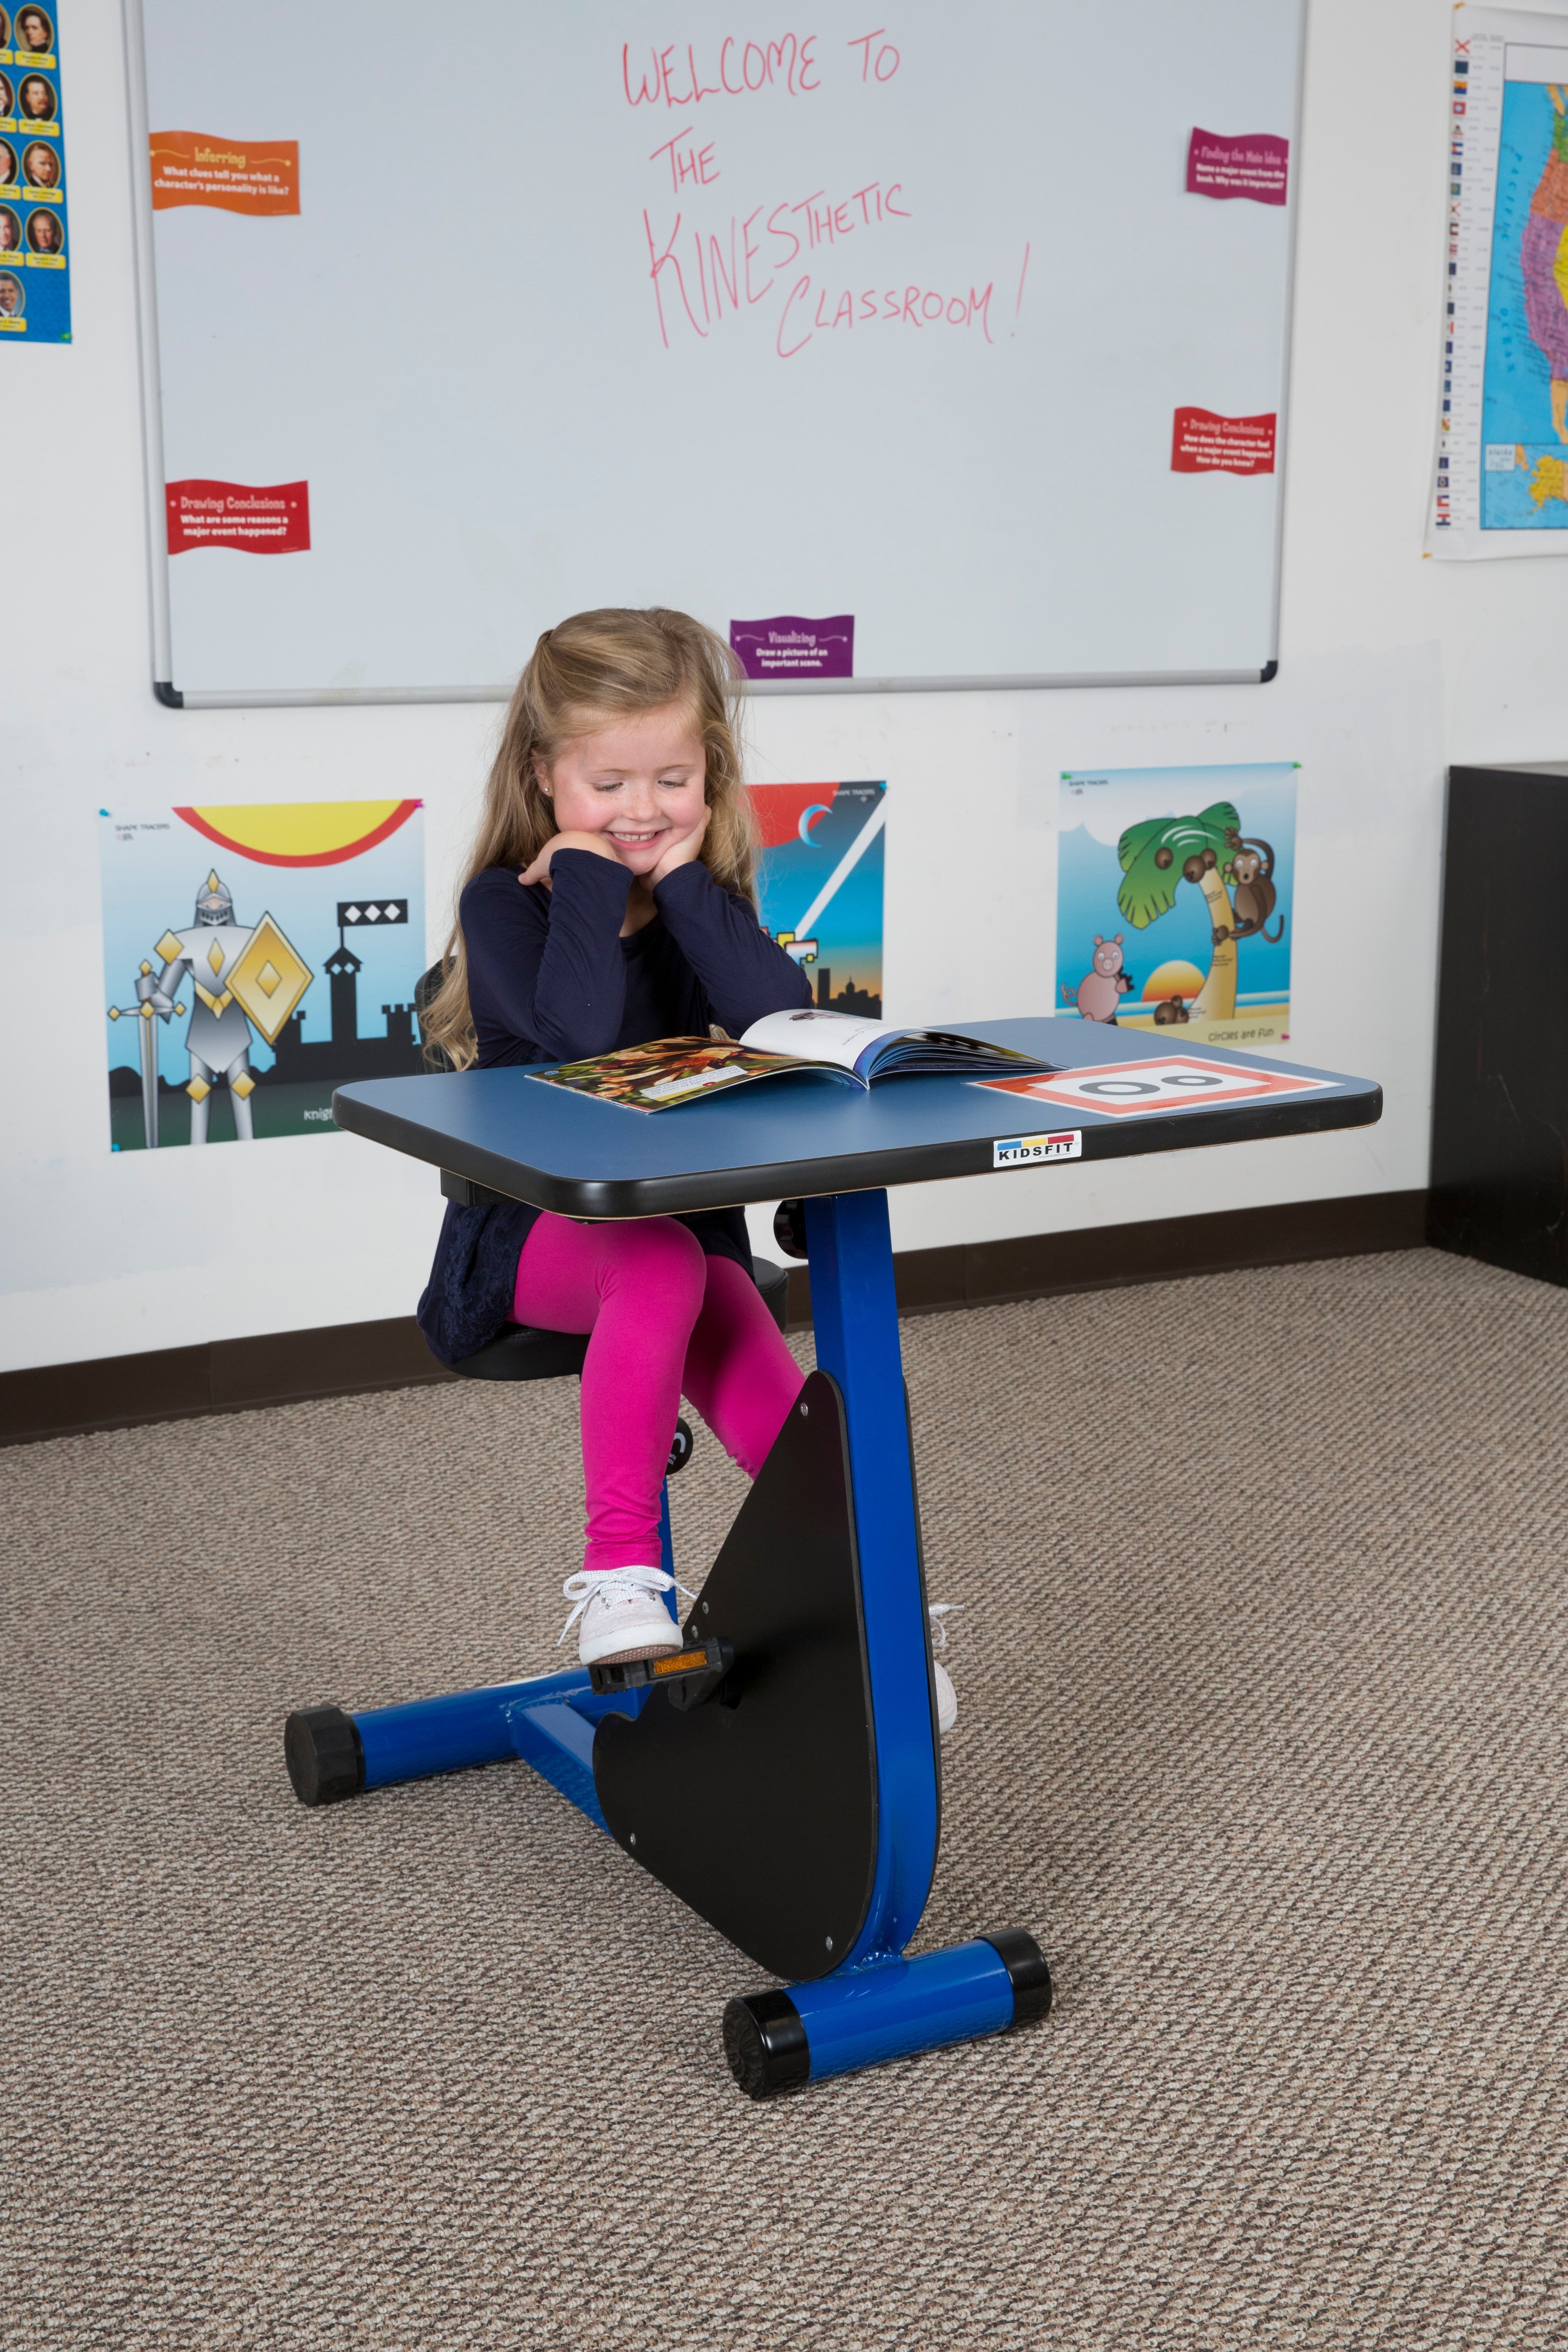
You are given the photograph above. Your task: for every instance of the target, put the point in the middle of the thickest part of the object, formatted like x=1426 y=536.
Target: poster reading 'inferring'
x=255 y=957
x=35 y=235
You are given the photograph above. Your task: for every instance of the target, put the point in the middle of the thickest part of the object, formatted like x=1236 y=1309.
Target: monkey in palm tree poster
x=1174 y=900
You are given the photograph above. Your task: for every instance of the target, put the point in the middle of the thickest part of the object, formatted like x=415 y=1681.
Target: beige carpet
x=1263 y=1732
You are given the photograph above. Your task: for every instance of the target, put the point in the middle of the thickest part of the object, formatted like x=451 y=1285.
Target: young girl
x=609 y=901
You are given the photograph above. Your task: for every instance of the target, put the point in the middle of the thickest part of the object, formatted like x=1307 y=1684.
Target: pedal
x=689 y=1675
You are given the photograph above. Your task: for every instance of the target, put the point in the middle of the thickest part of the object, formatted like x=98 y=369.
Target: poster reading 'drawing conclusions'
x=1500 y=481
x=254 y=959
x=1174 y=900
x=35 y=232
x=819 y=885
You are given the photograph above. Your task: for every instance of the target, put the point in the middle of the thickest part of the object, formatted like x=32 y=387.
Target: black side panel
x=1499 y=1179
x=759 y=1807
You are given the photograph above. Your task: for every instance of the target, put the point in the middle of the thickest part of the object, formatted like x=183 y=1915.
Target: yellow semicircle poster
x=300 y=833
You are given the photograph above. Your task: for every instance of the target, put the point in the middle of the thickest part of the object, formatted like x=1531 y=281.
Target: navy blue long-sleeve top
x=552 y=980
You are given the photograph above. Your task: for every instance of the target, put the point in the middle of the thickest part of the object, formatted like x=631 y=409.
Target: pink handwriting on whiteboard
x=701 y=276
x=705 y=272
x=672 y=76
x=915 y=306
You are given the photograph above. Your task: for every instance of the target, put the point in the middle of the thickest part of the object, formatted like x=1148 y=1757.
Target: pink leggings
x=662 y=1318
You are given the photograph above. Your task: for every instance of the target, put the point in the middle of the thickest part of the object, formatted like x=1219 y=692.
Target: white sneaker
x=946 y=1698
x=939 y=1612
x=622 y=1616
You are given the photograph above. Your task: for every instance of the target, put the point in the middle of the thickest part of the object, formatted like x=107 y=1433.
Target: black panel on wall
x=1500 y=1158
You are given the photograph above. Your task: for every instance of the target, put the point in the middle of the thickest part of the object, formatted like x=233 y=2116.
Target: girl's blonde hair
x=592 y=669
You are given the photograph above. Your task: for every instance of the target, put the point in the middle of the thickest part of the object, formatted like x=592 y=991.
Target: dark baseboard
x=351 y=1359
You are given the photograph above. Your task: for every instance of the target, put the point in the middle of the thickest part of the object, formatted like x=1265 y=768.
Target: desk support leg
x=878 y=2005
x=857 y=1321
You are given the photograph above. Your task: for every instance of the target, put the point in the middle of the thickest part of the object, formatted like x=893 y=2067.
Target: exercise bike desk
x=797 y=1809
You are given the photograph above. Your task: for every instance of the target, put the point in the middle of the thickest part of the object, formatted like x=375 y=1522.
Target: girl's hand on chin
x=683 y=852
x=600 y=843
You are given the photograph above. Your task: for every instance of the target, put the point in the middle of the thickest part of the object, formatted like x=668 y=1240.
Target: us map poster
x=255 y=957
x=35 y=236
x=819 y=885
x=1500 y=480
x=1174 y=900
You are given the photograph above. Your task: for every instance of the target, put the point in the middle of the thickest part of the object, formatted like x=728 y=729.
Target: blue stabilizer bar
x=549 y=1722
x=558 y=1744
x=489 y=1726
x=861 y=2017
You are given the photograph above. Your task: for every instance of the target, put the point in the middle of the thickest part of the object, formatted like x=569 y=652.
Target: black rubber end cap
x=1026 y=1965
x=322 y=1749
x=765 y=2044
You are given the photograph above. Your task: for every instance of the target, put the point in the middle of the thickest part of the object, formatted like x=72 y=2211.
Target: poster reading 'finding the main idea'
x=35 y=244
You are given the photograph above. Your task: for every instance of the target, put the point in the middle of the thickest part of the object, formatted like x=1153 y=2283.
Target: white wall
x=1391 y=666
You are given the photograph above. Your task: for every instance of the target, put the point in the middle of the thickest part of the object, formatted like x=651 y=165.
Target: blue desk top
x=1120 y=1092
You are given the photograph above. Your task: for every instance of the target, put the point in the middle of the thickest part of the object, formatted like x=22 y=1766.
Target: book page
x=668 y=1070
x=835 y=1037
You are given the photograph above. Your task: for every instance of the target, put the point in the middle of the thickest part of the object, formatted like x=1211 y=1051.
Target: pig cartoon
x=1101 y=991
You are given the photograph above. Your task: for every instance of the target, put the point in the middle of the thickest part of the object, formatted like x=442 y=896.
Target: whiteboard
x=537 y=338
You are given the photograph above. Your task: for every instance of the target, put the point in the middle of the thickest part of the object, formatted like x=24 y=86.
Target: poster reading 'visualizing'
x=35 y=256
x=1174 y=900
x=256 y=957
x=1501 y=483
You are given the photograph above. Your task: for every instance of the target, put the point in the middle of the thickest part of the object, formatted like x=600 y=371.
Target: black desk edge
x=787 y=1179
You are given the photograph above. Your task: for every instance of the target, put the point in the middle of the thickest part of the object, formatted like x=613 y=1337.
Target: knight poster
x=1174 y=904
x=255 y=957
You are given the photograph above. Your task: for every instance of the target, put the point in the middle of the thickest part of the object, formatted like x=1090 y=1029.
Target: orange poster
x=240 y=175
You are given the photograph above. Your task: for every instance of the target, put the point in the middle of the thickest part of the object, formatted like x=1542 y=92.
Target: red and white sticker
x=1174 y=1082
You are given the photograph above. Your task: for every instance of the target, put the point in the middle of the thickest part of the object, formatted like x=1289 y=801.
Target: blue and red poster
x=820 y=886
x=35 y=236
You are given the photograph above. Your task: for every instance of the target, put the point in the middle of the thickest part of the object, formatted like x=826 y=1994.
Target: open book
x=682 y=1069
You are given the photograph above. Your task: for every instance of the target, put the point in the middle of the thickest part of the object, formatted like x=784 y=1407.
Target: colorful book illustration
x=682 y=1069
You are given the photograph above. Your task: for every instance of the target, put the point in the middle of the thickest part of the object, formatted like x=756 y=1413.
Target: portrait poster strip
x=35 y=230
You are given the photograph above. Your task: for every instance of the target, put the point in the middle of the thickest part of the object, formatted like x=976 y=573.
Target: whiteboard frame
x=295 y=697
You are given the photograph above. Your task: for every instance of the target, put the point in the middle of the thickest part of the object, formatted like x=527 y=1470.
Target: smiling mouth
x=638 y=840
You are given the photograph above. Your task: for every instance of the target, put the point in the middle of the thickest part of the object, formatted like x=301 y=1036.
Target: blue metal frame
x=854 y=1312
x=875 y=2005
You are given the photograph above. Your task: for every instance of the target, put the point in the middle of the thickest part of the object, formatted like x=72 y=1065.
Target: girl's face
x=639 y=782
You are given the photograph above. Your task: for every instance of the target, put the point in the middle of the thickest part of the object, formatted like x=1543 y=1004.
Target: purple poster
x=1256 y=165
x=787 y=647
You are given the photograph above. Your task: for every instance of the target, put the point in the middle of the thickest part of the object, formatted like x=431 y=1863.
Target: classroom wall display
x=1174 y=900
x=1500 y=476
x=35 y=227
x=952 y=352
x=819 y=886
x=254 y=959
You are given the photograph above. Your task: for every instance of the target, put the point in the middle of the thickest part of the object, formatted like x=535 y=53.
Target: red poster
x=239 y=175
x=1256 y=165
x=272 y=522
x=1203 y=442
